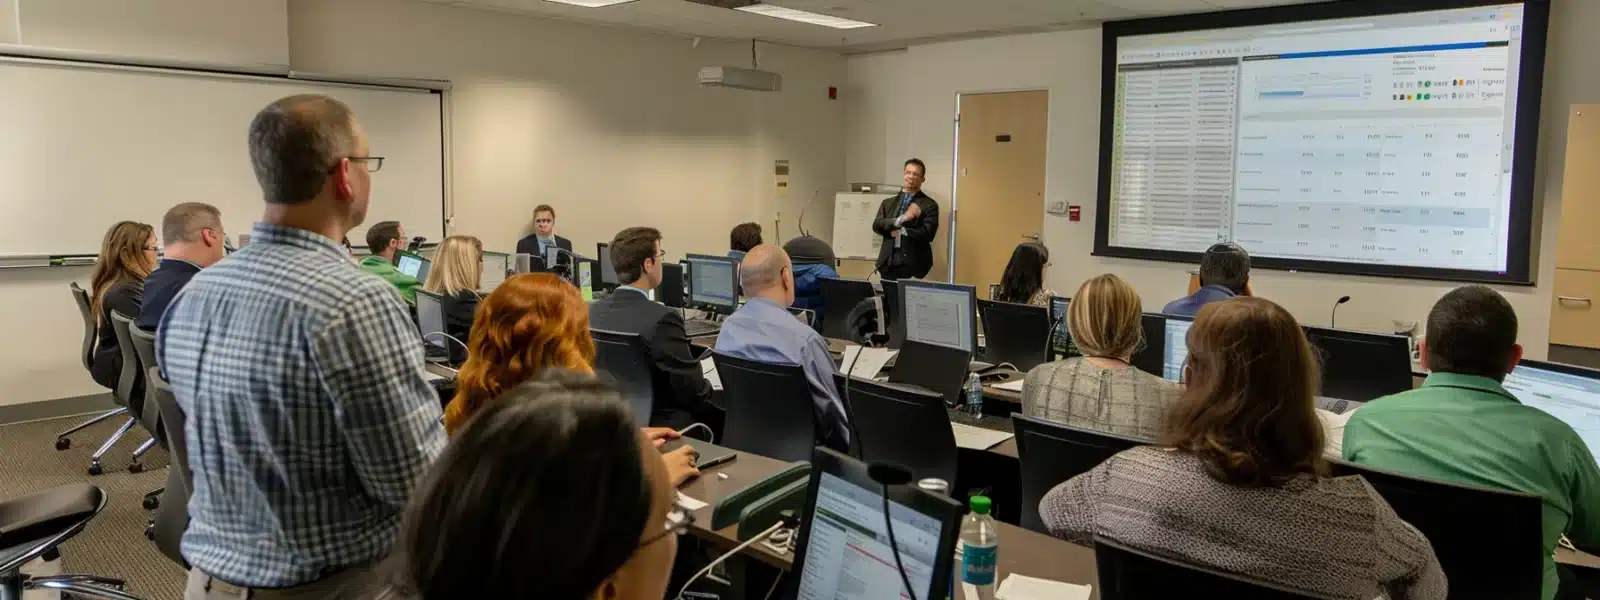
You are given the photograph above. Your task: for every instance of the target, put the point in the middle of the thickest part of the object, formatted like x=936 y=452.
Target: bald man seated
x=763 y=330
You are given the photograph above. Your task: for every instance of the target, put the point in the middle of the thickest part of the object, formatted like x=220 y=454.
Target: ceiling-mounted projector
x=741 y=79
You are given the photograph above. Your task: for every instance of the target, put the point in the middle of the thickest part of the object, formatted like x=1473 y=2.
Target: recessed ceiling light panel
x=805 y=17
x=592 y=3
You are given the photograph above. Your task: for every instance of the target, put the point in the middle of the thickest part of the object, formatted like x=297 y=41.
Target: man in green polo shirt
x=1462 y=426
x=384 y=240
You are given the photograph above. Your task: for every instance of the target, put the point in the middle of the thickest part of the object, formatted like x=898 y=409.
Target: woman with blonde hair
x=455 y=275
x=127 y=255
x=531 y=323
x=1101 y=390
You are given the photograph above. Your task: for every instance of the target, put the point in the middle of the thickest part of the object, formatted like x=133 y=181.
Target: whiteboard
x=84 y=146
x=852 y=225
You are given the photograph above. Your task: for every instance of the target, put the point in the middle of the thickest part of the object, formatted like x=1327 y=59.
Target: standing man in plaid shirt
x=308 y=416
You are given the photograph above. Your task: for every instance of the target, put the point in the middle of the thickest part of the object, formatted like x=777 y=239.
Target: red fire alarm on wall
x=1074 y=213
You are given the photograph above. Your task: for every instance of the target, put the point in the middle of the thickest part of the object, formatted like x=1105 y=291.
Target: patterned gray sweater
x=1331 y=537
x=1123 y=401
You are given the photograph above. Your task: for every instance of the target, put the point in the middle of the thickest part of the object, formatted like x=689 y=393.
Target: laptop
x=707 y=454
x=843 y=550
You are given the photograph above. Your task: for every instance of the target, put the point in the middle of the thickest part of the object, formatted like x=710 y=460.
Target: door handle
x=1031 y=236
x=1573 y=299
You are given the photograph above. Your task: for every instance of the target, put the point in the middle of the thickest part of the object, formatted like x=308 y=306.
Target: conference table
x=1021 y=551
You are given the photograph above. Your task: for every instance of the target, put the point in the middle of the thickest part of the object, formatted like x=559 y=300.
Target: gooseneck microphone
x=1334 y=319
x=886 y=475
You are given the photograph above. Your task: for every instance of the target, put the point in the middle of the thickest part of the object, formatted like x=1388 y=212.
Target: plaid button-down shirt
x=309 y=420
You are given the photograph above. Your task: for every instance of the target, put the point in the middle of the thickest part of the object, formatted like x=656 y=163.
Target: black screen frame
x=1519 y=248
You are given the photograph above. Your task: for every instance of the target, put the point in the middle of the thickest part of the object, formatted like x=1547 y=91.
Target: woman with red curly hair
x=531 y=323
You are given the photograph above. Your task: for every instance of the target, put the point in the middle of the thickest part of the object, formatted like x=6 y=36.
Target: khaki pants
x=355 y=583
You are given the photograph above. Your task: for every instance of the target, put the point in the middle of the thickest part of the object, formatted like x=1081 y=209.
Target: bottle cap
x=980 y=504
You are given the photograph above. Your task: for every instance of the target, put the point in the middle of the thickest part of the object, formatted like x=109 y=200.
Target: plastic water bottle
x=974 y=396
x=980 y=548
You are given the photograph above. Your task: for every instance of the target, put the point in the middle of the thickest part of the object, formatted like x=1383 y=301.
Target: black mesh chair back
x=904 y=425
x=1488 y=541
x=1051 y=453
x=1015 y=333
x=144 y=346
x=130 y=380
x=624 y=358
x=1129 y=574
x=172 y=517
x=81 y=297
x=770 y=408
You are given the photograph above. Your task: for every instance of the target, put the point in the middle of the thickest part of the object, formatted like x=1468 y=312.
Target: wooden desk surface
x=1021 y=551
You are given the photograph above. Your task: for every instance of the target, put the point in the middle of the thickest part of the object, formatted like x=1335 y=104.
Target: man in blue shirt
x=763 y=330
x=194 y=236
x=1224 y=273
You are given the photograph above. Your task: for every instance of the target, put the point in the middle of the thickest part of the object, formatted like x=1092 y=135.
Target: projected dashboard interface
x=1382 y=140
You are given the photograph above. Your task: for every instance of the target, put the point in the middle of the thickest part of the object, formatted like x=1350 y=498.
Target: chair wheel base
x=135 y=467
x=51 y=555
x=63 y=443
x=152 y=503
x=94 y=469
x=150 y=532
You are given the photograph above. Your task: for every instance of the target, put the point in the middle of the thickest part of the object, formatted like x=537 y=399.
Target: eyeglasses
x=374 y=163
x=152 y=249
x=679 y=518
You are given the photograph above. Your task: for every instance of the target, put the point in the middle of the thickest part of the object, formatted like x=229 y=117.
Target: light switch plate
x=1057 y=208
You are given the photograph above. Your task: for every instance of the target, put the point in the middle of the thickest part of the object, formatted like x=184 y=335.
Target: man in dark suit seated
x=194 y=236
x=682 y=394
x=544 y=236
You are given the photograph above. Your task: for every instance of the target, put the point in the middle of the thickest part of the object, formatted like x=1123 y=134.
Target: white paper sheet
x=691 y=503
x=1021 y=587
x=978 y=438
x=1014 y=385
x=866 y=362
x=709 y=369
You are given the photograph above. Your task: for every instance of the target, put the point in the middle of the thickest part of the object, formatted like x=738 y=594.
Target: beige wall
x=606 y=124
x=901 y=104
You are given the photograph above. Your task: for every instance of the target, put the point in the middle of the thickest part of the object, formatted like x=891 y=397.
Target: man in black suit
x=682 y=393
x=544 y=236
x=908 y=222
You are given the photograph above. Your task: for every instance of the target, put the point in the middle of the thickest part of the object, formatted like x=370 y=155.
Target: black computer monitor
x=671 y=291
x=1360 y=365
x=840 y=297
x=893 y=325
x=939 y=314
x=430 y=319
x=1568 y=393
x=495 y=267
x=1061 y=338
x=1175 y=351
x=411 y=264
x=1018 y=334
x=1151 y=357
x=711 y=283
x=608 y=273
x=843 y=550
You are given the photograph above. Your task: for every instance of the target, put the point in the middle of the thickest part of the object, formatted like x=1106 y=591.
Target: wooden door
x=999 y=182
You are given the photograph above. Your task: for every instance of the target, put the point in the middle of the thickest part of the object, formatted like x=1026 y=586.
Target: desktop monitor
x=430 y=318
x=1175 y=354
x=524 y=263
x=1061 y=340
x=412 y=264
x=939 y=314
x=893 y=325
x=670 y=293
x=1359 y=365
x=839 y=298
x=608 y=273
x=583 y=273
x=1151 y=357
x=495 y=266
x=552 y=257
x=711 y=283
x=736 y=255
x=843 y=549
x=1568 y=393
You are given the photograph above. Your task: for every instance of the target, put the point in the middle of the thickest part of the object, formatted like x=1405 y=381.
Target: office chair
x=625 y=359
x=1015 y=333
x=172 y=518
x=80 y=296
x=1051 y=453
x=130 y=393
x=1488 y=541
x=35 y=526
x=839 y=298
x=904 y=425
x=1129 y=574
x=769 y=406
x=144 y=345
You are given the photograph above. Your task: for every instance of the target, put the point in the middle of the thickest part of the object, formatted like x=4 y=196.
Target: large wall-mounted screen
x=1350 y=137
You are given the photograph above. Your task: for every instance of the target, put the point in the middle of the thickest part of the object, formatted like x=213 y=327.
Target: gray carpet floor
x=113 y=545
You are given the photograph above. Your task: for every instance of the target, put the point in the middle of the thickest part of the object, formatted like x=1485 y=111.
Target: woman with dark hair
x=551 y=492
x=1023 y=280
x=127 y=255
x=1239 y=484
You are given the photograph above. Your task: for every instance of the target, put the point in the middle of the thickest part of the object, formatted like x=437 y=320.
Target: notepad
x=866 y=362
x=1014 y=385
x=978 y=438
x=1022 y=587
